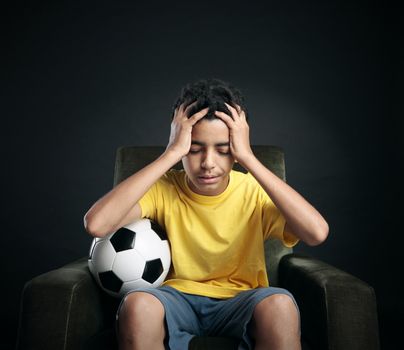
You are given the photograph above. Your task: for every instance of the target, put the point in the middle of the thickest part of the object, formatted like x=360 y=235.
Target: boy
x=216 y=220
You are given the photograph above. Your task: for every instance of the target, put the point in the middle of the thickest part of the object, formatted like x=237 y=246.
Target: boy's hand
x=181 y=129
x=239 y=133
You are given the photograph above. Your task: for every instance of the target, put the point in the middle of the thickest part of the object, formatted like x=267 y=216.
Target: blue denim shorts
x=189 y=315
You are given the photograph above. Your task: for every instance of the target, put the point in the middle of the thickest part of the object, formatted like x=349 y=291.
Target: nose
x=208 y=161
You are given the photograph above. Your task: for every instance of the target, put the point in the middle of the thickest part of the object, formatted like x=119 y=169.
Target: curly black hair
x=210 y=93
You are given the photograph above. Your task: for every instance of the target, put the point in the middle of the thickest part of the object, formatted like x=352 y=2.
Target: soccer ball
x=135 y=256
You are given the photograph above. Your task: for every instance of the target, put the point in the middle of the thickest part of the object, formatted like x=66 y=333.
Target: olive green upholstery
x=64 y=309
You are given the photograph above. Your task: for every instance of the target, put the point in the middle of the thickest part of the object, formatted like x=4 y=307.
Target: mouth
x=207 y=179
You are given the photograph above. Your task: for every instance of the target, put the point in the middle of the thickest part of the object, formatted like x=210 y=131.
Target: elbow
x=319 y=235
x=92 y=228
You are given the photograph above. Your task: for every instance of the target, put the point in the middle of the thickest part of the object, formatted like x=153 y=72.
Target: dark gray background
x=322 y=80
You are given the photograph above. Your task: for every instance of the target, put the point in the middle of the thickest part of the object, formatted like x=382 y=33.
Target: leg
x=275 y=324
x=141 y=322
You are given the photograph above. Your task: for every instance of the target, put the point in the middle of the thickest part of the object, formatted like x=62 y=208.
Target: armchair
x=64 y=309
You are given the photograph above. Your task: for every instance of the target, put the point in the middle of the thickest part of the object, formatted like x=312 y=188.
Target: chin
x=208 y=189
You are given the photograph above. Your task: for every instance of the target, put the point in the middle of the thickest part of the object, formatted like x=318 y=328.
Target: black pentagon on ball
x=123 y=239
x=153 y=270
x=157 y=228
x=110 y=281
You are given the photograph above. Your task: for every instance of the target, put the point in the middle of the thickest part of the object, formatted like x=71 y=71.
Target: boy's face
x=209 y=160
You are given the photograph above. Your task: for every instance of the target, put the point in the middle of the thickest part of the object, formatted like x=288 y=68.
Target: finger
x=225 y=118
x=234 y=112
x=182 y=107
x=237 y=110
x=178 y=111
x=199 y=115
x=189 y=107
x=182 y=111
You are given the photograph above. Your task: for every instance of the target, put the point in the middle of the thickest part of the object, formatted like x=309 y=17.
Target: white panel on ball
x=165 y=256
x=103 y=255
x=133 y=285
x=129 y=265
x=139 y=225
x=149 y=244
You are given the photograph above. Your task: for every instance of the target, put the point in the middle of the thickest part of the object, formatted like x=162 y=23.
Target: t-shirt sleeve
x=148 y=203
x=274 y=222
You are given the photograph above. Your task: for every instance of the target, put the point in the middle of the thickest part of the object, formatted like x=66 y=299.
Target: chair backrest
x=130 y=159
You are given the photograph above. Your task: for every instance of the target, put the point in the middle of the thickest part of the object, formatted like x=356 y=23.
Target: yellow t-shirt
x=217 y=242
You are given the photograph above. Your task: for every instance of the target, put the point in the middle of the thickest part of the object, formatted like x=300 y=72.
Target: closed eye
x=221 y=152
x=225 y=150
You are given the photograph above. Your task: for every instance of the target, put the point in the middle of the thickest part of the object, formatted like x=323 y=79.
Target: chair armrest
x=338 y=311
x=62 y=309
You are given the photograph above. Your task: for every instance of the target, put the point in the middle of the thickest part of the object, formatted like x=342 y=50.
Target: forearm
x=301 y=217
x=109 y=210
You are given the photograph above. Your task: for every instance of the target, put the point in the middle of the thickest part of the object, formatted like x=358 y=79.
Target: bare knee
x=140 y=305
x=274 y=313
x=275 y=323
x=278 y=304
x=141 y=314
